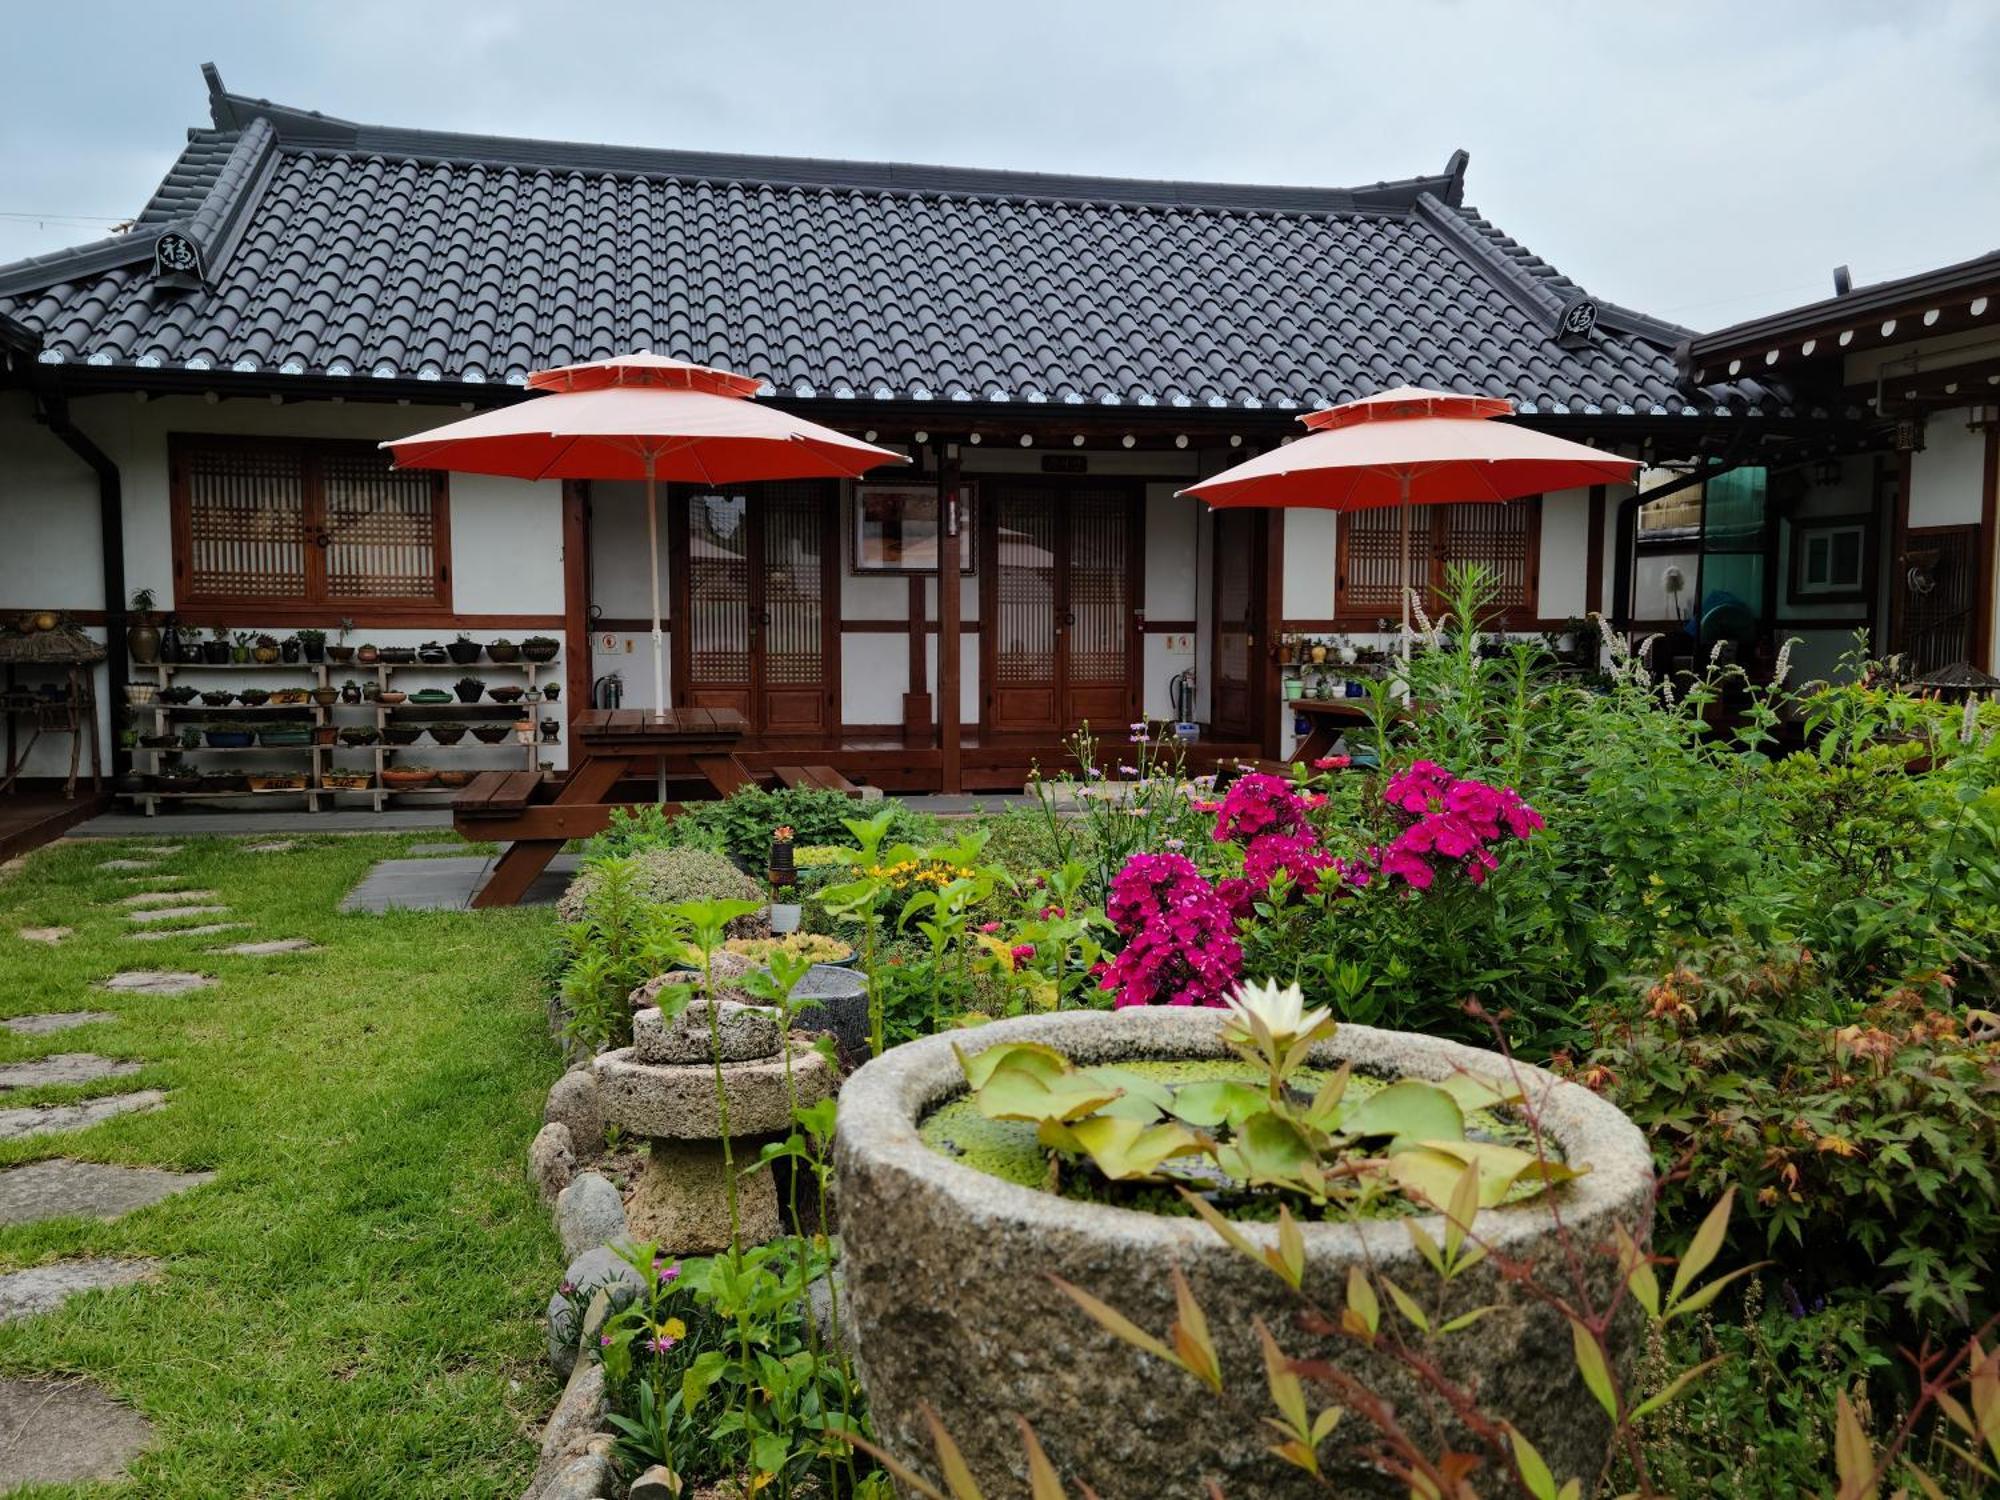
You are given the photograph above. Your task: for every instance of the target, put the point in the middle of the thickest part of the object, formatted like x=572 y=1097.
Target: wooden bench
x=818 y=779
x=497 y=794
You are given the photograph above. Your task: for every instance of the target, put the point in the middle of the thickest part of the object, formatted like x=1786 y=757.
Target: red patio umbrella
x=642 y=416
x=1407 y=447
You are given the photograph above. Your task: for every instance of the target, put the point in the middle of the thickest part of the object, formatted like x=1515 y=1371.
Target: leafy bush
x=613 y=940
x=1863 y=1133
x=741 y=824
x=666 y=876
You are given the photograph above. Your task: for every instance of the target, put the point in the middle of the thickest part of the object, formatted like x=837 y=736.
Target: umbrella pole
x=1404 y=480
x=659 y=648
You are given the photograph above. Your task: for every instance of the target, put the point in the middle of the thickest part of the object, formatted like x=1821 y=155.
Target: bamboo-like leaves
x=1853 y=1457
x=1188 y=1344
x=1590 y=1364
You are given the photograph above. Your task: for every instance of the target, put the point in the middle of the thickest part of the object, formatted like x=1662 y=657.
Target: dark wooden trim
x=1268 y=575
x=950 y=637
x=1512 y=621
x=314 y=605
x=1593 y=562
x=325 y=616
x=1167 y=627
x=1899 y=546
x=829 y=604
x=577 y=656
x=674 y=526
x=917 y=623
x=1989 y=544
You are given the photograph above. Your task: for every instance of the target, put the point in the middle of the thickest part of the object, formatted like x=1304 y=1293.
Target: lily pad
x=1410 y=1111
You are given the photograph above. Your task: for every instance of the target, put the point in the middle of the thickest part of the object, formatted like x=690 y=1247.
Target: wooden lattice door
x=1057 y=606
x=1232 y=712
x=753 y=583
x=1934 y=597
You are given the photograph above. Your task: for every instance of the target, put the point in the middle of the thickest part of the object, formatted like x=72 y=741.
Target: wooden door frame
x=678 y=519
x=1060 y=486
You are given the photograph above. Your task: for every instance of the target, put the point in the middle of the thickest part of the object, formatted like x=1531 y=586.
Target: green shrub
x=1862 y=1133
x=741 y=824
x=665 y=876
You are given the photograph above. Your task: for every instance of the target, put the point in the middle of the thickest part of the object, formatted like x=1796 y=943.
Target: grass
x=350 y=1308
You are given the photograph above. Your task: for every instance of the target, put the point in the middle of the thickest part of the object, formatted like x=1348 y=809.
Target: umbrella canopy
x=642 y=417
x=1407 y=447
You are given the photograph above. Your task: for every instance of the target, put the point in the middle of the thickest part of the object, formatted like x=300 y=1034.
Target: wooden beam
x=576 y=597
x=951 y=779
x=917 y=697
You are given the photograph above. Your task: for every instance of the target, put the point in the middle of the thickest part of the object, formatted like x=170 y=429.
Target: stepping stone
x=65 y=1432
x=457 y=846
x=165 y=898
x=26 y=1294
x=49 y=935
x=177 y=913
x=156 y=981
x=271 y=846
x=126 y=864
x=275 y=945
x=64 y=1189
x=19 y=1124
x=62 y=1020
x=64 y=1067
x=161 y=934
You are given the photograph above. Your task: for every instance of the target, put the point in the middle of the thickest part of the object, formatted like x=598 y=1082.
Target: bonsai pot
x=358 y=736
x=314 y=651
x=178 y=695
x=503 y=651
x=132 y=781
x=326 y=697
x=446 y=733
x=215 y=653
x=431 y=654
x=399 y=656
x=540 y=651
x=945 y=1271
x=142 y=644
x=551 y=731
x=264 y=654
x=288 y=650
x=253 y=697
x=463 y=653
x=350 y=693
x=389 y=697
x=159 y=741
x=326 y=734
x=492 y=734
x=407 y=780
x=229 y=739
x=552 y=691
x=340 y=656
x=402 y=734
x=469 y=690
x=507 y=694
x=140 y=694
x=368 y=655
x=455 y=778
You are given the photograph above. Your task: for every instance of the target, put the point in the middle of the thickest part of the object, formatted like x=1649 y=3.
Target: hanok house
x=191 y=406
x=1892 y=526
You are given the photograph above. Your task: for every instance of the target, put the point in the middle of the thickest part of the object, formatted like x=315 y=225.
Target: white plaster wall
x=1311 y=552
x=1947 y=479
x=1173 y=556
x=1565 y=554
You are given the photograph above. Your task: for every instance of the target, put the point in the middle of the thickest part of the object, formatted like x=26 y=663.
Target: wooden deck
x=34 y=815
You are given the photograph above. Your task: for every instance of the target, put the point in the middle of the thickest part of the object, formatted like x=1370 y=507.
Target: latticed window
x=1506 y=539
x=272 y=526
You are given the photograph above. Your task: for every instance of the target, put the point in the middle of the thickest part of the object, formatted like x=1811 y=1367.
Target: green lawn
x=349 y=1309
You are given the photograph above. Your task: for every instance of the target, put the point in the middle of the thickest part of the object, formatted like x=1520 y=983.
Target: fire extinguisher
x=608 y=691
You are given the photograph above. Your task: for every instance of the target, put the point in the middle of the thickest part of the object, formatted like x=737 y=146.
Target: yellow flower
x=674 y=1328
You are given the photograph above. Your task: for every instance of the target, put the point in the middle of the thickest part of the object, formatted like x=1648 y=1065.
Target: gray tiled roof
x=351 y=250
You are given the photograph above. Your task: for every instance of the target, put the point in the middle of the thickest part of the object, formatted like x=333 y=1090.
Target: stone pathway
x=63 y=1189
x=127 y=864
x=64 y=1432
x=266 y=949
x=49 y=935
x=271 y=846
x=161 y=934
x=63 y=1068
x=165 y=898
x=156 y=982
x=62 y=1020
x=19 y=1124
x=178 y=913
x=25 y=1294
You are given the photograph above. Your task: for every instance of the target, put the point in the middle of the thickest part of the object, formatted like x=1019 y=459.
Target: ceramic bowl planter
x=340 y=656
x=141 y=694
x=433 y=654
x=326 y=697
x=447 y=733
x=463 y=652
x=503 y=651
x=946 y=1269
x=402 y=734
x=399 y=656
x=540 y=648
x=492 y=734
x=215 y=653
x=511 y=694
x=368 y=655
x=408 y=778
x=358 y=735
x=469 y=689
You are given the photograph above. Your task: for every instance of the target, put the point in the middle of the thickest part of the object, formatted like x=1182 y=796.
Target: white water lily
x=1280 y=1008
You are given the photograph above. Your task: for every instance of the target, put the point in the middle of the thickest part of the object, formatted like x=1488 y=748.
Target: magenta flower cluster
x=1258 y=804
x=1180 y=940
x=1453 y=821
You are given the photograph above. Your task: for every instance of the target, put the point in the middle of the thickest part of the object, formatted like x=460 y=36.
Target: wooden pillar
x=576 y=599
x=1270 y=625
x=950 y=771
x=1593 y=562
x=918 y=720
x=1984 y=656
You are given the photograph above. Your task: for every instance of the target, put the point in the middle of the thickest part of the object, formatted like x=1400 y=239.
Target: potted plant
x=326 y=734
x=551 y=731
x=469 y=689
x=190 y=736
x=433 y=653
x=464 y=651
x=1319 y=651
x=355 y=736
x=402 y=734
x=540 y=648
x=215 y=650
x=326 y=695
x=241 y=644
x=217 y=698
x=1008 y=1343
x=1287 y=649
x=350 y=692
x=141 y=694
x=340 y=653
x=447 y=733
x=142 y=632
x=399 y=656
x=369 y=654
x=408 y=778
x=512 y=693
x=503 y=650
x=171 y=651
x=312 y=644
x=227 y=737
x=289 y=649
x=491 y=734
x=551 y=691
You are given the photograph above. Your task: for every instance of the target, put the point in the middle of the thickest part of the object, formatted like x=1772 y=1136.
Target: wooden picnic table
x=1330 y=718
x=609 y=745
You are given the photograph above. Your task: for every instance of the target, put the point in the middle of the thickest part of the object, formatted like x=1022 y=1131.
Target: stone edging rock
x=576 y=1461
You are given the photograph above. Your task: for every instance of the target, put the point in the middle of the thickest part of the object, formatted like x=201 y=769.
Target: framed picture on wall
x=896 y=528
x=1830 y=560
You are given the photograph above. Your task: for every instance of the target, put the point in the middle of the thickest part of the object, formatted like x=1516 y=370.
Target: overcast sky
x=1703 y=162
